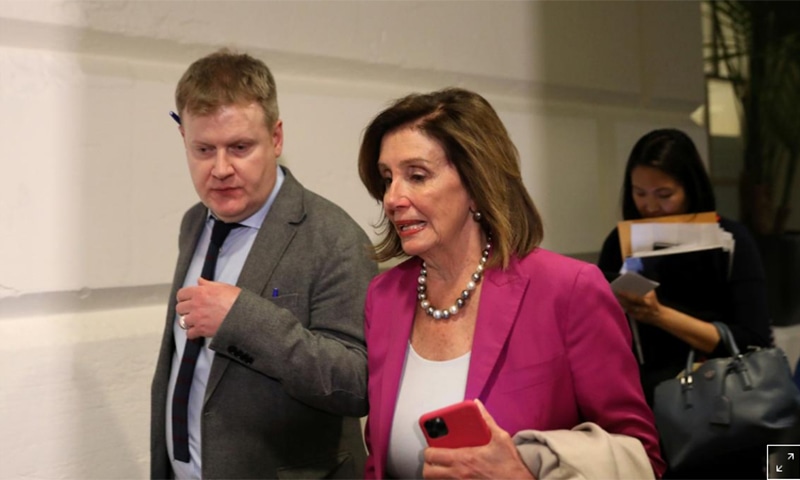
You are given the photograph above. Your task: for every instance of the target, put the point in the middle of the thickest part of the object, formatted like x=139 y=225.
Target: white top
x=425 y=385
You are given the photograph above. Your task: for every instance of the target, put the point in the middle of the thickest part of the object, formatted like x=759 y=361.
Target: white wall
x=94 y=181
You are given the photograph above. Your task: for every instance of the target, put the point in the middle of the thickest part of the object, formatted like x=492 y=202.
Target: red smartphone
x=455 y=426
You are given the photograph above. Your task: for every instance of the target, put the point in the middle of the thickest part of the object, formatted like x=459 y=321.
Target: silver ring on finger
x=182 y=322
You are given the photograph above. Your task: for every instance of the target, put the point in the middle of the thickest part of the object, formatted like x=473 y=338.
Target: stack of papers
x=674 y=235
x=649 y=239
x=625 y=228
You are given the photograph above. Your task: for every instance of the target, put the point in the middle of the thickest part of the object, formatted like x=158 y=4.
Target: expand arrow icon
x=779 y=468
x=791 y=455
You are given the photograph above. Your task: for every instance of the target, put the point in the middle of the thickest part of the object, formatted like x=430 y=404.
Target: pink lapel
x=501 y=296
x=400 y=312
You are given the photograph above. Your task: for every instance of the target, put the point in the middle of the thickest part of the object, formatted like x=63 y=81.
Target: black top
x=698 y=284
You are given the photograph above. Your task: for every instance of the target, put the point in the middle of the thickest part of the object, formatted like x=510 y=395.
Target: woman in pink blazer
x=479 y=311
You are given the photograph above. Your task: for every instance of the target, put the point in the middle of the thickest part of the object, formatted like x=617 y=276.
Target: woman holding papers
x=478 y=311
x=665 y=177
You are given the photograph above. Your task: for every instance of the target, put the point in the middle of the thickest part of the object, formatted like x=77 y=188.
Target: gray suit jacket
x=289 y=377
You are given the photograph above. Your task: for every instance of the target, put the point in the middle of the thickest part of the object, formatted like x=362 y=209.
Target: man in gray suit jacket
x=280 y=378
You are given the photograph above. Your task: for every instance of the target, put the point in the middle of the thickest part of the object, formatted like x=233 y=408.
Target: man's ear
x=277 y=137
x=183 y=132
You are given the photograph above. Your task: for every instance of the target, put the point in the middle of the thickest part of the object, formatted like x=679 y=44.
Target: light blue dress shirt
x=230 y=262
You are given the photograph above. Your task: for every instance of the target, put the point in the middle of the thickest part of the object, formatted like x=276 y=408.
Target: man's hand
x=205 y=306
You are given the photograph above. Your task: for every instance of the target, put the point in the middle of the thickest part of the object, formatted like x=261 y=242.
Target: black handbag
x=726 y=405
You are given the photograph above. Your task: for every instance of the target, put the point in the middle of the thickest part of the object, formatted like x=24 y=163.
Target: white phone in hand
x=634 y=283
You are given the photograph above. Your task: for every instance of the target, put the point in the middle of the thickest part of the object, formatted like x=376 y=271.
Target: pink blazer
x=551 y=349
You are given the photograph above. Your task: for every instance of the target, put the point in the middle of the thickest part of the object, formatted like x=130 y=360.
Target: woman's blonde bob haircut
x=476 y=142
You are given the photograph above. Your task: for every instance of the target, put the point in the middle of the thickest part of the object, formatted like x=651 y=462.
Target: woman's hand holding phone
x=455 y=426
x=496 y=459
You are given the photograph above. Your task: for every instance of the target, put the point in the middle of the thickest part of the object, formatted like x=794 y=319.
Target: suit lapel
x=272 y=240
x=191 y=227
x=400 y=314
x=274 y=236
x=501 y=296
x=190 y=233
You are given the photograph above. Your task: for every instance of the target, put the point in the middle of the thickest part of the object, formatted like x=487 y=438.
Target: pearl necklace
x=422 y=289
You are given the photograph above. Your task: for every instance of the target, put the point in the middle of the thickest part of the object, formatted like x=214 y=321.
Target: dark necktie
x=183 y=384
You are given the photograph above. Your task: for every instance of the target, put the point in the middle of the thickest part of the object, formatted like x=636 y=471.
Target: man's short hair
x=227 y=78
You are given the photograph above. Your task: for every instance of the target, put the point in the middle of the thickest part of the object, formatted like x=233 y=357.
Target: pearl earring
x=477 y=216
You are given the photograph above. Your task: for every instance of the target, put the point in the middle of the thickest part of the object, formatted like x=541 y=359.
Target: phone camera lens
x=436 y=427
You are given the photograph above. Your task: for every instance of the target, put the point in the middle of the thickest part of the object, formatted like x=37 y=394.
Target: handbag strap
x=726 y=337
x=736 y=365
x=737 y=360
